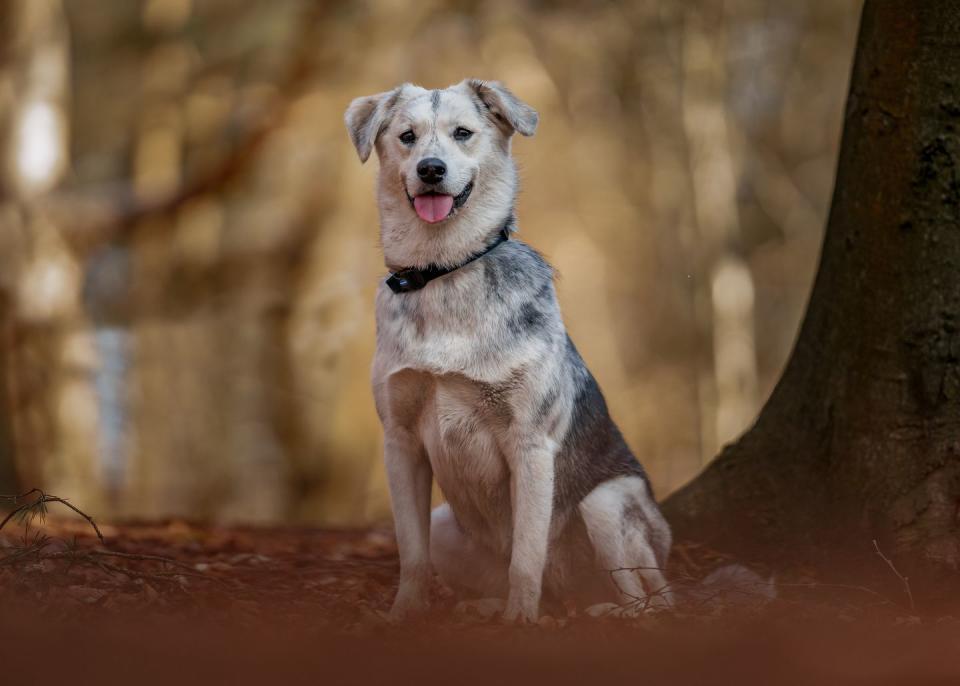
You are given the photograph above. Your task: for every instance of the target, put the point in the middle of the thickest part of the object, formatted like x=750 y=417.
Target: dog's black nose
x=431 y=170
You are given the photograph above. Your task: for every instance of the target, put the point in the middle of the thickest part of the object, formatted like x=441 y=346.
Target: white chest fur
x=461 y=368
x=440 y=352
x=461 y=429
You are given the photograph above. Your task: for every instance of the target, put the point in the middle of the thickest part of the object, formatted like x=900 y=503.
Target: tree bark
x=860 y=440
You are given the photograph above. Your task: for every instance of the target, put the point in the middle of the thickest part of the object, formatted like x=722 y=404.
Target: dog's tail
x=730 y=586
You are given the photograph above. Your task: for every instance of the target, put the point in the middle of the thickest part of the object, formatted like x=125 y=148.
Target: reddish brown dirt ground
x=175 y=602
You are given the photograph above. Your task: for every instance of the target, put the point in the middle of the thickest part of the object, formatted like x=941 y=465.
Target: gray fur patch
x=529 y=321
x=479 y=105
x=547 y=404
x=593 y=450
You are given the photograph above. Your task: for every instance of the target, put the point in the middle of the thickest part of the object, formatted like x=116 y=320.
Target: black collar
x=414 y=279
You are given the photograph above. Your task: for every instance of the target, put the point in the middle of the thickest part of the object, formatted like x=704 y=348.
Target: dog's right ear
x=367 y=117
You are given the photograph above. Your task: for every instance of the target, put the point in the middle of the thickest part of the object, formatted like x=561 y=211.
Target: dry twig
x=37 y=508
x=35 y=549
x=905 y=580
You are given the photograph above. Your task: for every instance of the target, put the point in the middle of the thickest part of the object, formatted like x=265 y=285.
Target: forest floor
x=174 y=602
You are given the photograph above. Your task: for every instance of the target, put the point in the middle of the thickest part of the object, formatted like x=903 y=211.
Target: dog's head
x=445 y=165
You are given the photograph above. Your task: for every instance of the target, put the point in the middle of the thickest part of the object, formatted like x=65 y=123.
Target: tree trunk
x=8 y=480
x=860 y=440
x=8 y=18
x=33 y=158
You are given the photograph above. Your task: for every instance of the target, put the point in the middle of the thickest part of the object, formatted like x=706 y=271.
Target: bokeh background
x=188 y=243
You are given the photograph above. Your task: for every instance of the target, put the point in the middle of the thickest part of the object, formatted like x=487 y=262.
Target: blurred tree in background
x=188 y=246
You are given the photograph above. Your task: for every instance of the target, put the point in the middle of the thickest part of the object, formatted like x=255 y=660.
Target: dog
x=479 y=386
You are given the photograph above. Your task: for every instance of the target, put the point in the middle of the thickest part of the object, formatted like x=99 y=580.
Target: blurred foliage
x=188 y=242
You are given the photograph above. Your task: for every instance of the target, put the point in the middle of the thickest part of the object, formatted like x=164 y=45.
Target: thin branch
x=12 y=514
x=38 y=505
x=17 y=498
x=130 y=573
x=905 y=580
x=144 y=558
x=54 y=499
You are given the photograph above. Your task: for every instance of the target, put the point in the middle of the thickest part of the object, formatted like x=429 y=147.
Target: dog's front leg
x=531 y=484
x=410 y=477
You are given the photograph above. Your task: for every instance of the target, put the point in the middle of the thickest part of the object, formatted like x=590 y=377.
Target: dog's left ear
x=507 y=110
x=366 y=118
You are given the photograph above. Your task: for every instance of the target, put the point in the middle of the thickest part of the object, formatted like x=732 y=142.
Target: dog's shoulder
x=518 y=279
x=517 y=265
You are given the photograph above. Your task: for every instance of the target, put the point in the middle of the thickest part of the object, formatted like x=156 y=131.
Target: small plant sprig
x=34 y=505
x=26 y=512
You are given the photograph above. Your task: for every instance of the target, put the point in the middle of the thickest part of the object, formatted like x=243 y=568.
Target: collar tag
x=406 y=280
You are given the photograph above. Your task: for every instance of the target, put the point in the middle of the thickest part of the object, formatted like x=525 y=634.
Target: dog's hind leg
x=630 y=540
x=468 y=568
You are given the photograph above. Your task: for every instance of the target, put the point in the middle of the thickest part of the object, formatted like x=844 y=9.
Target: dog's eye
x=408 y=137
x=462 y=134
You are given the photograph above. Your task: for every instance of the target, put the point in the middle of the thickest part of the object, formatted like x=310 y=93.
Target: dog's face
x=444 y=154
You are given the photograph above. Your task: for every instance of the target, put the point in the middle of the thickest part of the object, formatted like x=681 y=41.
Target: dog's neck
x=425 y=250
x=408 y=242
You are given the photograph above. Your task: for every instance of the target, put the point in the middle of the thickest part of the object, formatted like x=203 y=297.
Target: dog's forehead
x=447 y=103
x=416 y=107
x=455 y=103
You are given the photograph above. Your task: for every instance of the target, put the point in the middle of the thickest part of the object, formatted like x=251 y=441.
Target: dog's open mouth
x=435 y=207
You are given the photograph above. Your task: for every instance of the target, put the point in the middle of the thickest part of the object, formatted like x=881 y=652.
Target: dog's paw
x=404 y=612
x=409 y=604
x=520 y=612
x=484 y=608
x=629 y=611
x=602 y=610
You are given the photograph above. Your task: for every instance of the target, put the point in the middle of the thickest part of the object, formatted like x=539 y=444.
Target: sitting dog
x=477 y=382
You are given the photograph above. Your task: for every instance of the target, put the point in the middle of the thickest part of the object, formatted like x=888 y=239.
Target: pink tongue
x=433 y=208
